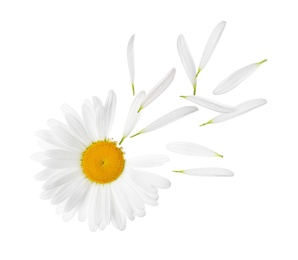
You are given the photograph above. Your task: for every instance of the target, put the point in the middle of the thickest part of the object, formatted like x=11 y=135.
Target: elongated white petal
x=88 y=114
x=212 y=172
x=236 y=78
x=39 y=157
x=240 y=109
x=145 y=161
x=50 y=138
x=110 y=109
x=94 y=201
x=68 y=139
x=61 y=163
x=44 y=174
x=84 y=209
x=187 y=59
x=211 y=44
x=155 y=180
x=213 y=105
x=77 y=196
x=77 y=128
x=131 y=62
x=117 y=214
x=159 y=88
x=133 y=115
x=58 y=153
x=99 y=118
x=168 y=118
x=66 y=109
x=191 y=149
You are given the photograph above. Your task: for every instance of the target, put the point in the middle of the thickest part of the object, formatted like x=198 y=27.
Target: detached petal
x=236 y=78
x=211 y=44
x=133 y=115
x=191 y=149
x=213 y=105
x=240 y=109
x=159 y=88
x=168 y=118
x=208 y=172
x=187 y=59
x=110 y=109
x=131 y=61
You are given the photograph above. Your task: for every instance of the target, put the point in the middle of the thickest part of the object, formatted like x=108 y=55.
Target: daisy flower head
x=87 y=172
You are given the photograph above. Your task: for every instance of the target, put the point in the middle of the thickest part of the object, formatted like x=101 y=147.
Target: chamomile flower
x=88 y=173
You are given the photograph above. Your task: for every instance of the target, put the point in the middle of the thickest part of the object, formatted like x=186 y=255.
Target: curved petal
x=211 y=44
x=131 y=62
x=236 y=78
x=168 y=118
x=110 y=109
x=206 y=172
x=187 y=60
x=240 y=109
x=159 y=88
x=191 y=149
x=99 y=118
x=133 y=115
x=210 y=104
x=78 y=129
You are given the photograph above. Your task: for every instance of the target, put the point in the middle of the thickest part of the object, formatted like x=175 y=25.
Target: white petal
x=77 y=129
x=44 y=174
x=137 y=177
x=187 y=60
x=211 y=44
x=66 y=138
x=93 y=210
x=117 y=215
x=60 y=178
x=214 y=172
x=100 y=118
x=39 y=157
x=168 y=118
x=131 y=62
x=132 y=196
x=64 y=191
x=47 y=194
x=66 y=109
x=159 y=88
x=191 y=149
x=107 y=204
x=84 y=209
x=88 y=114
x=58 y=153
x=133 y=115
x=67 y=216
x=147 y=197
x=61 y=163
x=213 y=105
x=240 y=109
x=155 y=180
x=145 y=161
x=110 y=109
x=236 y=78
x=50 y=138
x=77 y=196
x=122 y=199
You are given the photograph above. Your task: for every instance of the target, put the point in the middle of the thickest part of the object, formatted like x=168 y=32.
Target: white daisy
x=87 y=172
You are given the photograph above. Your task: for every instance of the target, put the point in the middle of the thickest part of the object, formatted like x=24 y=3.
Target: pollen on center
x=103 y=162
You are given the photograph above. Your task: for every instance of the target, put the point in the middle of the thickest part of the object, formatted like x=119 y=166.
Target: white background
x=54 y=52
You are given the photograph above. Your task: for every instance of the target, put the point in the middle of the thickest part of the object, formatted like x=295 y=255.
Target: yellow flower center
x=103 y=162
